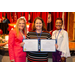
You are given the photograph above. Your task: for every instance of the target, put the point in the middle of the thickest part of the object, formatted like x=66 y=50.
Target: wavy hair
x=43 y=27
x=17 y=28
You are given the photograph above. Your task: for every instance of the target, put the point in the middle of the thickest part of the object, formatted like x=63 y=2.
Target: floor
x=6 y=59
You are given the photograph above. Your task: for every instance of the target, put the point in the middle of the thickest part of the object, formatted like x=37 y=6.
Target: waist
x=37 y=57
x=38 y=54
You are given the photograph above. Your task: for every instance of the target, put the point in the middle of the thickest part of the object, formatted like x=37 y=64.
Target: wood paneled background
x=70 y=25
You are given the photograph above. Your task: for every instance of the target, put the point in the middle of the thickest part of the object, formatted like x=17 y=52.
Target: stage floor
x=6 y=59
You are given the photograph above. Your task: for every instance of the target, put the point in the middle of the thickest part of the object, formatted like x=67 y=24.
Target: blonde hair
x=17 y=28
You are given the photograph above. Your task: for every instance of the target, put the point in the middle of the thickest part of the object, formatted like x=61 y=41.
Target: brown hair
x=17 y=29
x=43 y=27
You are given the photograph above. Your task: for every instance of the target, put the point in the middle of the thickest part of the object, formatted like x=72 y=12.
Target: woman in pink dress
x=15 y=40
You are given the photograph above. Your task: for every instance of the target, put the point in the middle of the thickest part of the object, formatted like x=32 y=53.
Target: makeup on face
x=58 y=24
x=38 y=24
x=21 y=24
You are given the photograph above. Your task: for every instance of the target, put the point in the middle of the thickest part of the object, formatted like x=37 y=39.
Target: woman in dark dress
x=38 y=32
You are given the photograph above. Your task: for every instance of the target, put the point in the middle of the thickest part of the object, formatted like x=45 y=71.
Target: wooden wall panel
x=71 y=20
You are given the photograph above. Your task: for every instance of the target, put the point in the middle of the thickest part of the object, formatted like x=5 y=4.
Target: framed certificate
x=47 y=45
x=30 y=45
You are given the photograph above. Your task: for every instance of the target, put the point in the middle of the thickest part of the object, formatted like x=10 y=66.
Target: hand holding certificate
x=47 y=45
x=30 y=45
x=33 y=45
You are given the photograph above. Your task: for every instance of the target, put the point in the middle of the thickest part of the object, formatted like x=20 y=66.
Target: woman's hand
x=0 y=38
x=22 y=44
x=56 y=46
x=4 y=40
x=13 y=60
x=63 y=59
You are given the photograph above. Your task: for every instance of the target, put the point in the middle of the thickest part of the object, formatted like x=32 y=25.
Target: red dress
x=15 y=50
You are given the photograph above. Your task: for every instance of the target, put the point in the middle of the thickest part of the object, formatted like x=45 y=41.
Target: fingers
x=22 y=44
x=62 y=59
x=12 y=60
x=4 y=40
x=0 y=38
x=56 y=46
x=7 y=42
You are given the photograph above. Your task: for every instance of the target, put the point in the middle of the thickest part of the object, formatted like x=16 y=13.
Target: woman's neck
x=39 y=31
x=59 y=29
x=21 y=31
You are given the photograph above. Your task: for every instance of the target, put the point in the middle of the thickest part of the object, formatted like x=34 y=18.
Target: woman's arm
x=22 y=44
x=3 y=39
x=65 y=45
x=11 y=44
x=2 y=44
x=0 y=38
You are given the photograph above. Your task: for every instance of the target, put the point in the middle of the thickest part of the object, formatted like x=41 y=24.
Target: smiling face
x=38 y=24
x=58 y=24
x=21 y=24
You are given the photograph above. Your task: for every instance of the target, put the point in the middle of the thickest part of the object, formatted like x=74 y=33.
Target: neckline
x=22 y=35
x=38 y=33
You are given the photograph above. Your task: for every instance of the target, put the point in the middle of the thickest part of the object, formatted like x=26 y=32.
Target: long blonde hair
x=17 y=23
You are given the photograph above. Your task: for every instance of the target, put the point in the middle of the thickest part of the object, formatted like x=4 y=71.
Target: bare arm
x=2 y=44
x=3 y=39
x=0 y=38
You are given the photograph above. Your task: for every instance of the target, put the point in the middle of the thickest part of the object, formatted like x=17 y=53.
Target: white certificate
x=30 y=45
x=48 y=45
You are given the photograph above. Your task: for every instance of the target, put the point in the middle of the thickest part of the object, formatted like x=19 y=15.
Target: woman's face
x=58 y=24
x=38 y=24
x=21 y=24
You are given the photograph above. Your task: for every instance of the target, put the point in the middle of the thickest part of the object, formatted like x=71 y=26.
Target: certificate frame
x=31 y=51
x=47 y=39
